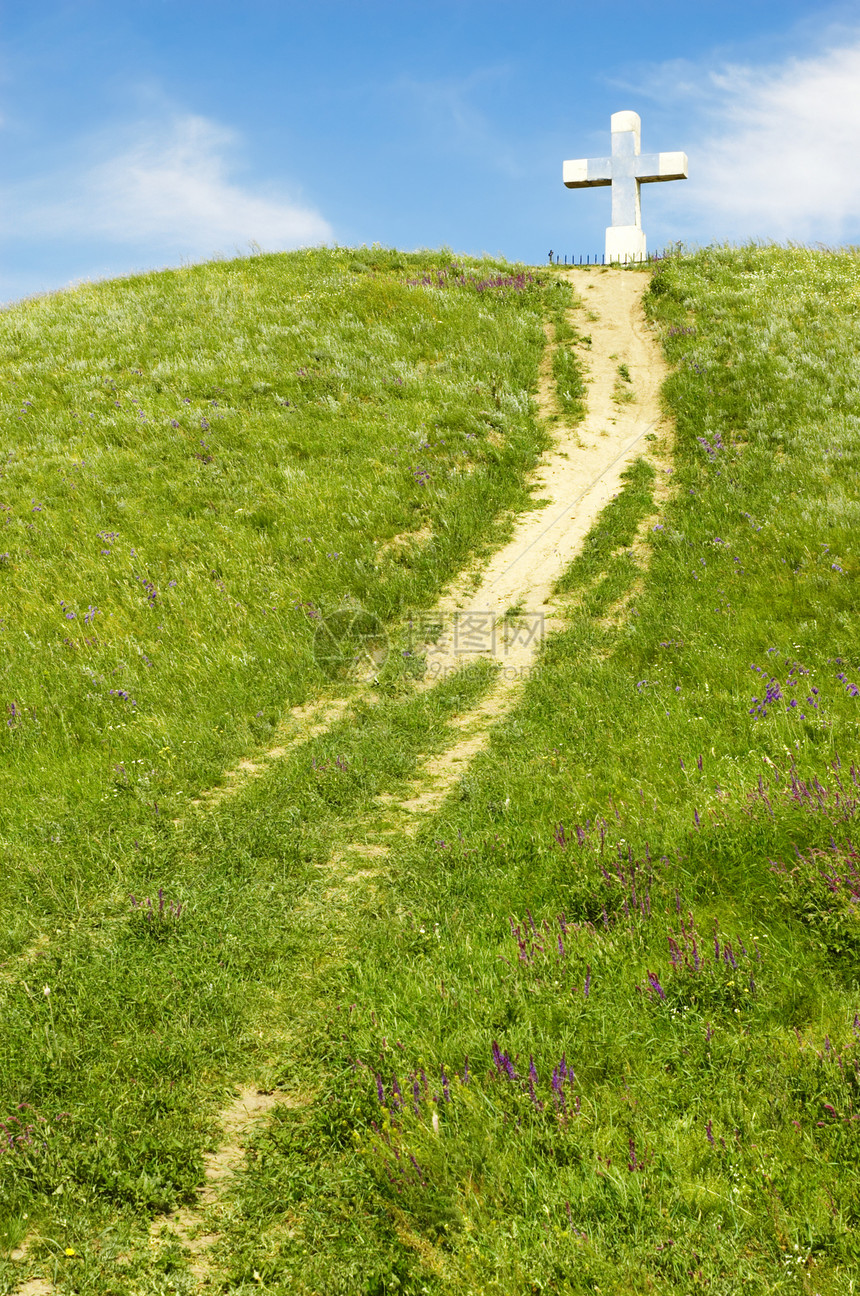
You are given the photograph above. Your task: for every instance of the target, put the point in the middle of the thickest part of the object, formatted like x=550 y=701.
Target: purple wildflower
x=503 y=1063
x=533 y=1079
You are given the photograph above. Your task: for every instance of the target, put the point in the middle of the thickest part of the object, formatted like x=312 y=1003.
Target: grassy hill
x=598 y=1026
x=197 y=464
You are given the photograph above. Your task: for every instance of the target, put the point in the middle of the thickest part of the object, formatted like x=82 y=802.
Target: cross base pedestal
x=625 y=243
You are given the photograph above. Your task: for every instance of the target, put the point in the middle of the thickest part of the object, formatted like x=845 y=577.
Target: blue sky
x=156 y=132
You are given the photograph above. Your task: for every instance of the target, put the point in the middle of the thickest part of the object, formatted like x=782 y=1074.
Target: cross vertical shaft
x=626 y=209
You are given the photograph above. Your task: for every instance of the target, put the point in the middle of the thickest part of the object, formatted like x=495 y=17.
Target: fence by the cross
x=599 y=258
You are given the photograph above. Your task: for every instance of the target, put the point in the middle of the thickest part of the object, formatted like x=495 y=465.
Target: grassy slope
x=702 y=1134
x=195 y=465
x=198 y=465
x=690 y=1121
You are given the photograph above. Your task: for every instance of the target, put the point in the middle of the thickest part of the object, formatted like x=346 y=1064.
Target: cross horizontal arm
x=661 y=166
x=586 y=173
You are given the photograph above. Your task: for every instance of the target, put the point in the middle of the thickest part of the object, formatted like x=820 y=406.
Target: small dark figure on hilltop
x=550 y=256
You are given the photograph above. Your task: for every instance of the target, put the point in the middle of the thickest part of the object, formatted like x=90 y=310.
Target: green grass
x=201 y=468
x=566 y=370
x=201 y=465
x=707 y=1138
x=636 y=806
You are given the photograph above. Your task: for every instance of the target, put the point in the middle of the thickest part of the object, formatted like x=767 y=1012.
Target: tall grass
x=596 y=1027
x=198 y=467
x=608 y=1035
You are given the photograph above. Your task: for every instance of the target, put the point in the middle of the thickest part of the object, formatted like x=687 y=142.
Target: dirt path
x=195 y=1227
x=575 y=480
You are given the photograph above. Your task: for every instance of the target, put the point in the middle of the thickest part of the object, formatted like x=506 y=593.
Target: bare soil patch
x=196 y=1227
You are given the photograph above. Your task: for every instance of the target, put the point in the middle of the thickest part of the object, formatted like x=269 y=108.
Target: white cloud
x=776 y=154
x=168 y=190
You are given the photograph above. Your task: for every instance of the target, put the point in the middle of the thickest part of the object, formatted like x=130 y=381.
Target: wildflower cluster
x=629 y=883
x=711 y=448
x=852 y=689
x=25 y=1135
x=823 y=889
x=158 y=918
x=19 y=1134
x=416 y=1096
x=838 y=800
x=416 y=1090
x=699 y=977
x=835 y=1075
x=562 y=1075
x=774 y=693
x=321 y=767
x=150 y=590
x=400 y=1168
x=502 y=284
x=539 y=943
x=124 y=695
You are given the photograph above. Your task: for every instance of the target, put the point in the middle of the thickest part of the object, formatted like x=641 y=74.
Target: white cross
x=626 y=170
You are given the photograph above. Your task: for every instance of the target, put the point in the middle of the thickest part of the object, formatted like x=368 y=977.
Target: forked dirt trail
x=575 y=480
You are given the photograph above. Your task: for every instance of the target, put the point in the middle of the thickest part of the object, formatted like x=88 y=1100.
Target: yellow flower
x=70 y=1251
